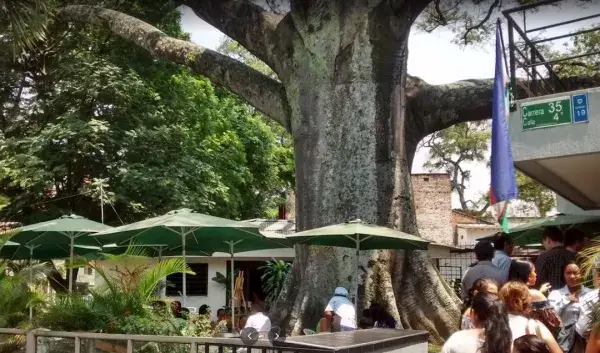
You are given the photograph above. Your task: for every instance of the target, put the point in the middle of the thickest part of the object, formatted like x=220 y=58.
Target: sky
x=437 y=60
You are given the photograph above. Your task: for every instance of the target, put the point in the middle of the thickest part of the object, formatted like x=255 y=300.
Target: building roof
x=277 y=226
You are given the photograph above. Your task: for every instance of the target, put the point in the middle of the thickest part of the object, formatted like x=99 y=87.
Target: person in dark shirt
x=574 y=240
x=551 y=264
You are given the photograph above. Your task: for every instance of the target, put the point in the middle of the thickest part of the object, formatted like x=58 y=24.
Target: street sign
x=546 y=113
x=580 y=108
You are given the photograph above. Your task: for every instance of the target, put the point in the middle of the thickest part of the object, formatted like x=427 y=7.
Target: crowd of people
x=516 y=306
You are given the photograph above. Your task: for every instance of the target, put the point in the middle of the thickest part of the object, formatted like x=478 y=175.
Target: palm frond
x=36 y=271
x=590 y=257
x=153 y=275
x=28 y=20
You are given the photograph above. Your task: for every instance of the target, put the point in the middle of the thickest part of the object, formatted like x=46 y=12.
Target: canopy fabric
x=370 y=237
x=44 y=252
x=531 y=233
x=71 y=230
x=203 y=232
x=59 y=231
x=184 y=230
x=360 y=236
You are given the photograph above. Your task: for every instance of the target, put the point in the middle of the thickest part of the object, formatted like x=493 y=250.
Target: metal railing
x=196 y=344
x=525 y=54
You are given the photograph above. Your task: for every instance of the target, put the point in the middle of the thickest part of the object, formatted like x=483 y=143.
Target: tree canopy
x=87 y=106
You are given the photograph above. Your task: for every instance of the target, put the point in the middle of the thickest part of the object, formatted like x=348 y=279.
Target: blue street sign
x=579 y=102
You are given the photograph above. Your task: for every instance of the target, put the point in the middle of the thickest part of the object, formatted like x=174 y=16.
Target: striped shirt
x=587 y=303
x=550 y=266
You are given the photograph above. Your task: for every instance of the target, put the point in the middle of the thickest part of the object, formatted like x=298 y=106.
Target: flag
x=503 y=187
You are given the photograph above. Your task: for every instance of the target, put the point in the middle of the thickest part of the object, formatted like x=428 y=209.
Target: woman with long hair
x=482 y=285
x=517 y=299
x=540 y=309
x=530 y=344
x=491 y=333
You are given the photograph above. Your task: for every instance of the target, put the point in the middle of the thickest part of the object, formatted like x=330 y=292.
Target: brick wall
x=433 y=206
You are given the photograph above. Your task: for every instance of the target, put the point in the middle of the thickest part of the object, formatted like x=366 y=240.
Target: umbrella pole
x=30 y=279
x=356 y=273
x=184 y=274
x=71 y=264
x=162 y=281
x=232 y=288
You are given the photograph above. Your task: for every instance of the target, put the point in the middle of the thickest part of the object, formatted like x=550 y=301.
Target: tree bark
x=353 y=161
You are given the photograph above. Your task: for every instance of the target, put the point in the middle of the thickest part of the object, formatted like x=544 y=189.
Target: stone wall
x=433 y=206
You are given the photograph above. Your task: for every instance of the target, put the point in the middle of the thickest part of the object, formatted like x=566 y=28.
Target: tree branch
x=481 y=23
x=262 y=92
x=248 y=24
x=436 y=107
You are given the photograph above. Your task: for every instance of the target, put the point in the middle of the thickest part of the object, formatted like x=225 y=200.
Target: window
x=89 y=271
x=426 y=179
x=196 y=284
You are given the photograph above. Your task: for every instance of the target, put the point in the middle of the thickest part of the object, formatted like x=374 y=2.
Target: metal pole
x=356 y=274
x=184 y=274
x=511 y=53
x=232 y=288
x=101 y=203
x=71 y=264
x=30 y=279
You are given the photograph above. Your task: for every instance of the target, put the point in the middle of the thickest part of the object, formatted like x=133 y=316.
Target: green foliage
x=451 y=148
x=28 y=20
x=454 y=148
x=159 y=138
x=123 y=303
x=273 y=278
x=535 y=193
x=15 y=299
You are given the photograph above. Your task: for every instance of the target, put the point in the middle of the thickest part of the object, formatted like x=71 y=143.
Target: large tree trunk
x=353 y=161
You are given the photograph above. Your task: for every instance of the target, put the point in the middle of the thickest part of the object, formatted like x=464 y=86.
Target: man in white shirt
x=340 y=314
x=259 y=321
x=503 y=246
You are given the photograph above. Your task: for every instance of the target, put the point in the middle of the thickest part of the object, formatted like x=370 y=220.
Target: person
x=381 y=318
x=484 y=252
x=574 y=240
x=515 y=295
x=491 y=333
x=340 y=314
x=177 y=309
x=588 y=304
x=482 y=285
x=223 y=320
x=504 y=247
x=540 y=308
x=566 y=303
x=593 y=345
x=530 y=344
x=204 y=310
x=551 y=264
x=258 y=320
x=366 y=321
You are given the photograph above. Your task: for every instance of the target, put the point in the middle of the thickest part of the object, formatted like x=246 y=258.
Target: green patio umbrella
x=360 y=236
x=68 y=230
x=531 y=233
x=183 y=230
x=13 y=251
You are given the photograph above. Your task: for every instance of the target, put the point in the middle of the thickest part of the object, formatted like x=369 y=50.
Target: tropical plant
x=122 y=303
x=273 y=277
x=16 y=298
x=27 y=19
